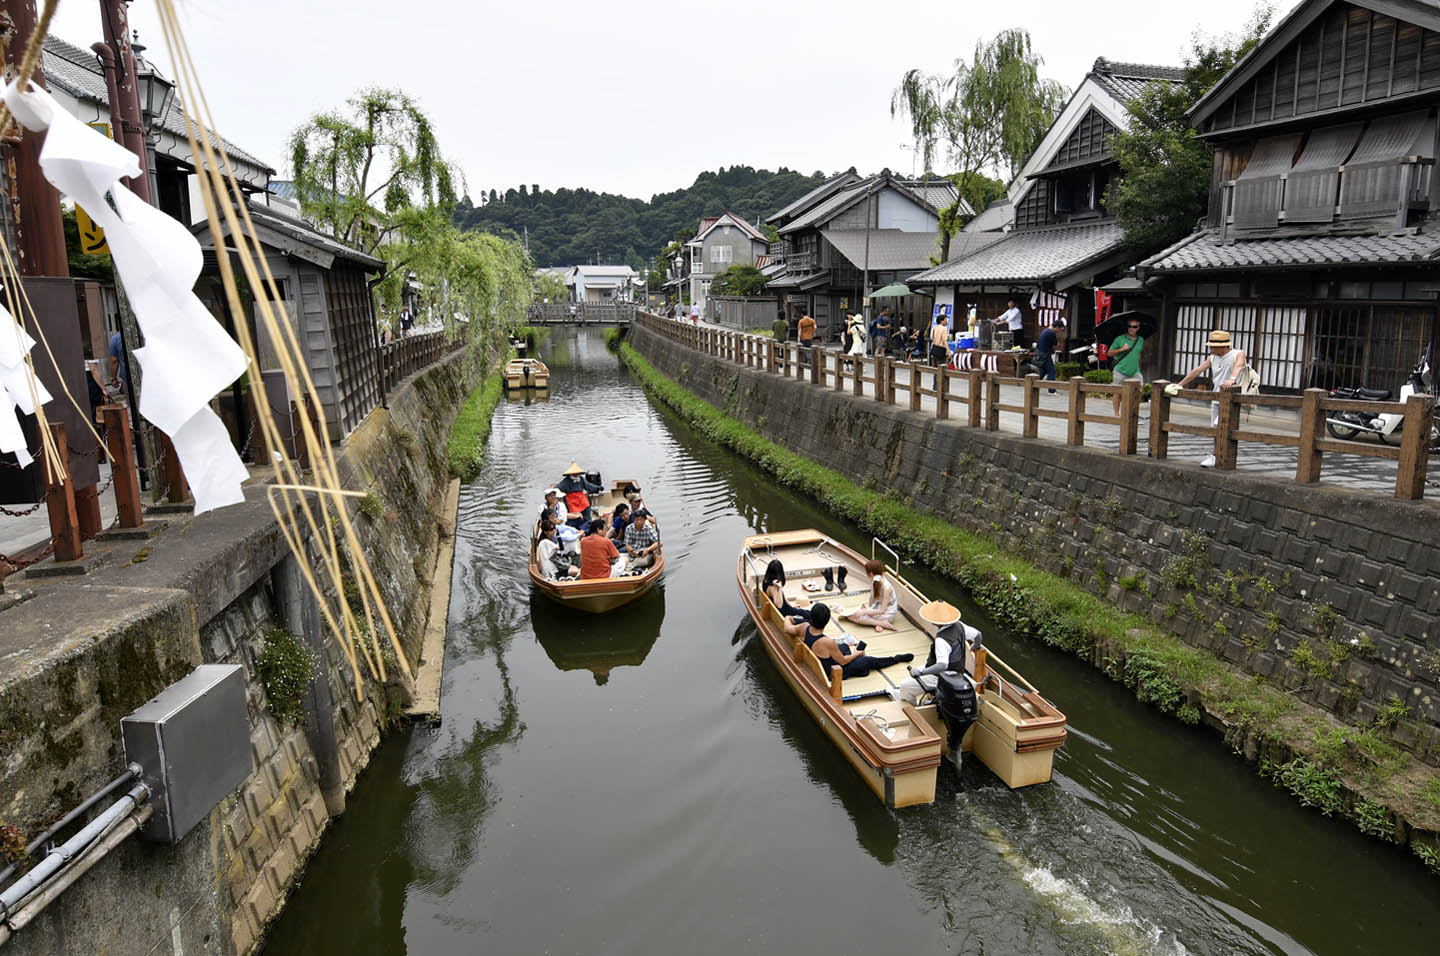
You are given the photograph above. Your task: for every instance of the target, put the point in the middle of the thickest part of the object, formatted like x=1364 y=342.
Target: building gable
x=1326 y=57
x=1089 y=141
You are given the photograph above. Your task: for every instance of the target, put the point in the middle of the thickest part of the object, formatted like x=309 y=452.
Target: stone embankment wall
x=82 y=653
x=1332 y=595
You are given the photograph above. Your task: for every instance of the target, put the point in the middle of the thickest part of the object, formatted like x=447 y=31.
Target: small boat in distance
x=596 y=595
x=895 y=746
x=526 y=373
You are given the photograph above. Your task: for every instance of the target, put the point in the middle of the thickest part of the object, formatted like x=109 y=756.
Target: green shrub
x=372 y=505
x=466 y=453
x=1100 y=376
x=1372 y=818
x=1314 y=786
x=1064 y=371
x=285 y=668
x=612 y=339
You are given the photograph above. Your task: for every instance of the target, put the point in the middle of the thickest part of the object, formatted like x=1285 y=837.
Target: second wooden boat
x=895 y=746
x=526 y=373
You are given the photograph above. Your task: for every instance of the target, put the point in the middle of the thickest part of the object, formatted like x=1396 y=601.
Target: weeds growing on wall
x=466 y=453
x=285 y=667
x=1163 y=671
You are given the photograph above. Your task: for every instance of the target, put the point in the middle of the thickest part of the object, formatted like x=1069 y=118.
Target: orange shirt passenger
x=596 y=552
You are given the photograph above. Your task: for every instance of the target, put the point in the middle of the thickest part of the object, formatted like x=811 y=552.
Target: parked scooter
x=1385 y=426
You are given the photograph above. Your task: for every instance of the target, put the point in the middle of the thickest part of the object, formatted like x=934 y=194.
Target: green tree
x=739 y=280
x=354 y=167
x=1164 y=187
x=550 y=286
x=987 y=116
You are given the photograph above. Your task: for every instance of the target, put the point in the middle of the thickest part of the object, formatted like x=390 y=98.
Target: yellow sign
x=92 y=237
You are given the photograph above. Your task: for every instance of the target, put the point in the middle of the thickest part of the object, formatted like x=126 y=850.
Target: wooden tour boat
x=894 y=746
x=597 y=595
x=526 y=373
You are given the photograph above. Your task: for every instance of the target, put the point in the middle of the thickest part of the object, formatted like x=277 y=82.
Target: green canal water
x=642 y=782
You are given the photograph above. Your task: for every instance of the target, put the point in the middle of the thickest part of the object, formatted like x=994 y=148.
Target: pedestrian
x=118 y=369
x=1045 y=354
x=805 y=330
x=857 y=337
x=882 y=331
x=1226 y=365
x=939 y=342
x=407 y=321
x=1126 y=349
x=1014 y=321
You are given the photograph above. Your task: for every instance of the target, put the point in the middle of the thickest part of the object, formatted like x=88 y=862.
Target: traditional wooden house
x=1059 y=241
x=721 y=242
x=846 y=229
x=1321 y=251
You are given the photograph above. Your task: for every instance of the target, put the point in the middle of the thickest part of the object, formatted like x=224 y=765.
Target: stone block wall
x=80 y=658
x=1334 y=595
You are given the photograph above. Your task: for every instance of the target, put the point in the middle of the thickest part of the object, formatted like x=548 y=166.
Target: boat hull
x=526 y=374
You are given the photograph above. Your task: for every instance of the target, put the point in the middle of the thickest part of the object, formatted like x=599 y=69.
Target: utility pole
x=34 y=207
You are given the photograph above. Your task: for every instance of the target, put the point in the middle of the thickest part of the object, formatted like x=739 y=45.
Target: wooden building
x=1321 y=250
x=1056 y=240
x=829 y=237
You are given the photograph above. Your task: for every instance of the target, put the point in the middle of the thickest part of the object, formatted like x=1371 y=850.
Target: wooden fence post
x=1129 y=416
x=125 y=478
x=915 y=368
x=1226 y=447
x=179 y=489
x=942 y=392
x=1031 y=426
x=839 y=371
x=992 y=402
x=1074 y=415
x=770 y=347
x=1159 y=418
x=1312 y=426
x=885 y=369
x=1414 y=450
x=817 y=365
x=60 y=500
x=858 y=386
x=976 y=380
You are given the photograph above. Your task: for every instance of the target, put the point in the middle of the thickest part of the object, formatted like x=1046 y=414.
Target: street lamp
x=155 y=92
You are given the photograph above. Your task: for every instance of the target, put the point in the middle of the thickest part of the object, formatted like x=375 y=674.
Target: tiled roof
x=1202 y=251
x=938 y=193
x=835 y=182
x=1126 y=81
x=293 y=231
x=710 y=222
x=1028 y=255
x=890 y=249
x=77 y=72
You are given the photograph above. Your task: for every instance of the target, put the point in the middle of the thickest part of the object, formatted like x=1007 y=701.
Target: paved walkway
x=1357 y=472
x=19 y=534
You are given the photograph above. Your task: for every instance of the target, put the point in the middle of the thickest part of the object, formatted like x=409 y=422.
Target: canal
x=641 y=782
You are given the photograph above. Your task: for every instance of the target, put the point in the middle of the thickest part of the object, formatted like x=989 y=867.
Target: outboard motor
x=956 y=701
x=593 y=477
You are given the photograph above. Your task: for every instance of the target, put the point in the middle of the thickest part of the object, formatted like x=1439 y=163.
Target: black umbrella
x=1115 y=326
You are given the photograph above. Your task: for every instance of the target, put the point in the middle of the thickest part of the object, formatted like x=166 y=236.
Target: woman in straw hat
x=1225 y=365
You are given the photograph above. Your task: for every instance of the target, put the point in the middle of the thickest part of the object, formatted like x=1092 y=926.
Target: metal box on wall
x=193 y=742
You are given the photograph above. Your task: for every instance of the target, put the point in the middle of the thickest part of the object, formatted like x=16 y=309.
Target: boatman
x=577 y=490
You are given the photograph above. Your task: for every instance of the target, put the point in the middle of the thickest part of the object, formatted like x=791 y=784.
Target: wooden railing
x=979 y=392
x=403 y=357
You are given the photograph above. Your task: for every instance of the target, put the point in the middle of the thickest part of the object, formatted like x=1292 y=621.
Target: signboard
x=92 y=237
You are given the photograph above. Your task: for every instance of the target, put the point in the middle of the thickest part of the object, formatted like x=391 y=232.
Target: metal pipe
x=70 y=849
x=122 y=832
x=132 y=772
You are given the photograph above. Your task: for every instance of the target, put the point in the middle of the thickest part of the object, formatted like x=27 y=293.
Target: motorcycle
x=1385 y=426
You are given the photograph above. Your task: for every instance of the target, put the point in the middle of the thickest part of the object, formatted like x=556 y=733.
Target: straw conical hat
x=939 y=613
x=574 y=469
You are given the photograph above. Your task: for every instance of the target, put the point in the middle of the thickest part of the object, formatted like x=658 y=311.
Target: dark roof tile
x=1203 y=251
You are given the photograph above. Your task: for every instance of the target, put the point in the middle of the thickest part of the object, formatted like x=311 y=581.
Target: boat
x=597 y=595
x=526 y=373
x=894 y=746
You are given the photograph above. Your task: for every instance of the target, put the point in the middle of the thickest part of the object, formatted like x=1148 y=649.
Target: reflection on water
x=682 y=799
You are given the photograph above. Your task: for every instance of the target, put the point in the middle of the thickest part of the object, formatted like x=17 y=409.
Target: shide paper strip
x=18 y=386
x=187 y=357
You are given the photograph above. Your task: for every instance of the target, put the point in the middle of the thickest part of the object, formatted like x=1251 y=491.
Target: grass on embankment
x=1326 y=756
x=472 y=427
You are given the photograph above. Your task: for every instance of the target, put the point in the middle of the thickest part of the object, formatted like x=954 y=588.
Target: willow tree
x=986 y=117
x=373 y=176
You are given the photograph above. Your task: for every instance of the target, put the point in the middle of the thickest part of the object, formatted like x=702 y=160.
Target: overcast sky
x=629 y=97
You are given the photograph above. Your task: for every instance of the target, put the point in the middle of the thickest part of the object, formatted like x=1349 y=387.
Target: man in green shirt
x=1126 y=352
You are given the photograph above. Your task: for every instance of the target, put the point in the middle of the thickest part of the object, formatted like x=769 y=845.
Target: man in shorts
x=1126 y=352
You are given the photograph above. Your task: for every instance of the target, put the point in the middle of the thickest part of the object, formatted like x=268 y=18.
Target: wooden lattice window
x=357 y=386
x=1366 y=344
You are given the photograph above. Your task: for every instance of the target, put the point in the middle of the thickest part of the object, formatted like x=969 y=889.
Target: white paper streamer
x=18 y=386
x=187 y=357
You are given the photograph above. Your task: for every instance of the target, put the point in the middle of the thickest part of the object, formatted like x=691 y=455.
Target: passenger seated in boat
x=619 y=521
x=832 y=652
x=631 y=491
x=554 y=509
x=774 y=588
x=552 y=560
x=642 y=541
x=597 y=552
x=880 y=612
